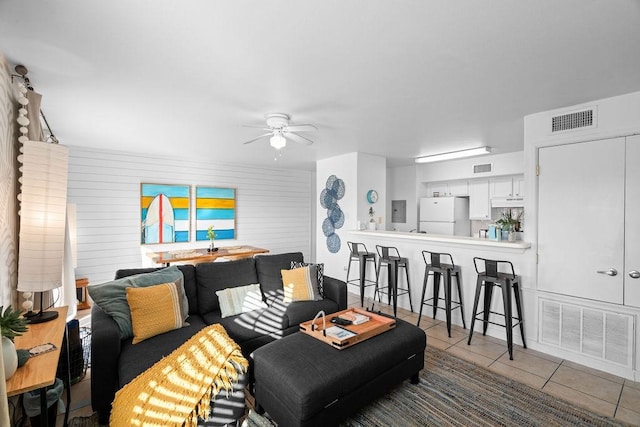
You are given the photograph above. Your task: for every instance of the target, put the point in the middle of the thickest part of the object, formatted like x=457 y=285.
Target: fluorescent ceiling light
x=453 y=155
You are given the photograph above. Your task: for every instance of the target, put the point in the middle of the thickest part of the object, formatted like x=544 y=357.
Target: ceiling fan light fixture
x=278 y=142
x=454 y=155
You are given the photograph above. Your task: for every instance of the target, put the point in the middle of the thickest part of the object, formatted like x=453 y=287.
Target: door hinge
x=537 y=170
x=537 y=258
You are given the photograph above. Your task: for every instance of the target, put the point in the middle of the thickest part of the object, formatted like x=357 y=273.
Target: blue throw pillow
x=111 y=297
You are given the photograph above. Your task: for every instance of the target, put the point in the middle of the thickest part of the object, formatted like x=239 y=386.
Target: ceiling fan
x=279 y=131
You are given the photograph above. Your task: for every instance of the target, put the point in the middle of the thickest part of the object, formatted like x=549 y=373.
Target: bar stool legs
x=489 y=278
x=390 y=258
x=359 y=252
x=434 y=267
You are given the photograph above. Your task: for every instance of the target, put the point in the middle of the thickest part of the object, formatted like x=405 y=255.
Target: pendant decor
x=333 y=191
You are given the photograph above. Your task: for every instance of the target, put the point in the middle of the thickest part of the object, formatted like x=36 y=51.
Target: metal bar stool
x=438 y=269
x=489 y=278
x=389 y=257
x=358 y=252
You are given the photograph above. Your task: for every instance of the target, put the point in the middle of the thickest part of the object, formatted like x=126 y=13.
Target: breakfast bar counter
x=518 y=245
x=463 y=250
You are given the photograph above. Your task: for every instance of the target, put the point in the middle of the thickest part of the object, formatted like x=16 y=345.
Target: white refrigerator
x=445 y=215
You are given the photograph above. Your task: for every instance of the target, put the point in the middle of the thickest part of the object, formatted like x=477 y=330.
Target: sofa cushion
x=269 y=277
x=155 y=309
x=240 y=299
x=135 y=359
x=216 y=276
x=301 y=311
x=111 y=296
x=301 y=284
x=189 y=274
x=247 y=326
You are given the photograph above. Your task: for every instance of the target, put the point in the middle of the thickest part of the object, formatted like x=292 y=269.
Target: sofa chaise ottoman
x=302 y=381
x=116 y=361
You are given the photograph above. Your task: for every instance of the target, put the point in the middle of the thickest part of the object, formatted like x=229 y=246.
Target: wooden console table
x=40 y=371
x=201 y=255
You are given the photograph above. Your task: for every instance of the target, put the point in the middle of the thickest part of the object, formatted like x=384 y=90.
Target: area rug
x=453 y=392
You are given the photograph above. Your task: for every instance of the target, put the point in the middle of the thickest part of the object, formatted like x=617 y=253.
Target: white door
x=581 y=219
x=632 y=224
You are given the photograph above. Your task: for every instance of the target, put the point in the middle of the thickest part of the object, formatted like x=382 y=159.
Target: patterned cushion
x=296 y=264
x=240 y=299
x=155 y=310
x=301 y=284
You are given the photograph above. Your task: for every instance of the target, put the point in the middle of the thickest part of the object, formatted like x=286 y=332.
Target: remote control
x=340 y=321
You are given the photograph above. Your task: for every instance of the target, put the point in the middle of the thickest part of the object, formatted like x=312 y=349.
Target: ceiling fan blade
x=297 y=138
x=301 y=128
x=257 y=138
x=255 y=127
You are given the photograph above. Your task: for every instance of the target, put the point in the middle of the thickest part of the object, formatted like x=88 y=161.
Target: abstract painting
x=165 y=214
x=216 y=207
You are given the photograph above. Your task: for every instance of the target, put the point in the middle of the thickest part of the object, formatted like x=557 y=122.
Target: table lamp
x=43 y=204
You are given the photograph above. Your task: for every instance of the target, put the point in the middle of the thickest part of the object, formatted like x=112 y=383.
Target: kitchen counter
x=463 y=249
x=458 y=240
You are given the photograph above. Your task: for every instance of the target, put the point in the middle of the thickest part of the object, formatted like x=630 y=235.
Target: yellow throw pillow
x=154 y=310
x=300 y=284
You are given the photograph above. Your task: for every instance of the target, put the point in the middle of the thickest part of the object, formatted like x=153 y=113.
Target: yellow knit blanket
x=179 y=387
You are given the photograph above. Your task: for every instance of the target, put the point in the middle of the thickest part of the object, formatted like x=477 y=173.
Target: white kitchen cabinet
x=508 y=186
x=449 y=188
x=518 y=186
x=458 y=188
x=479 y=206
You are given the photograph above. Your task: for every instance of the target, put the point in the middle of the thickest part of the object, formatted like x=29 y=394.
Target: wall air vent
x=575 y=120
x=600 y=334
x=482 y=168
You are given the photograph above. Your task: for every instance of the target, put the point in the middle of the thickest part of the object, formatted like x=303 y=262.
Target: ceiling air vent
x=575 y=120
x=482 y=168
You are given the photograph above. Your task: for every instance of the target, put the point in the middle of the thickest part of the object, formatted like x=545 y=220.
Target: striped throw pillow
x=240 y=299
x=155 y=310
x=301 y=284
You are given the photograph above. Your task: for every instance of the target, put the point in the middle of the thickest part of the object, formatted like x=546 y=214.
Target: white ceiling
x=394 y=78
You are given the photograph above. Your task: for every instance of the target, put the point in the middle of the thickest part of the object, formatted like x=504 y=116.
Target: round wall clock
x=372 y=196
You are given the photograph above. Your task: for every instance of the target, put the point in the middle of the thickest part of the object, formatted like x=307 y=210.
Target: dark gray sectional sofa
x=115 y=362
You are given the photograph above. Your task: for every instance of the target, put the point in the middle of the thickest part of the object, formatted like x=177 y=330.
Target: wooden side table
x=82 y=294
x=40 y=371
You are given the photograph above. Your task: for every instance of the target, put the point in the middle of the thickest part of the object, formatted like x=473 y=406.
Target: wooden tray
x=376 y=325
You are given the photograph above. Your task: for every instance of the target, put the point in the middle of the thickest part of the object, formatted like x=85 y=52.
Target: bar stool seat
x=389 y=257
x=489 y=277
x=358 y=252
x=436 y=268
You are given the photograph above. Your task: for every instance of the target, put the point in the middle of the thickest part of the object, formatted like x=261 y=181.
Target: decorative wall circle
x=334 y=190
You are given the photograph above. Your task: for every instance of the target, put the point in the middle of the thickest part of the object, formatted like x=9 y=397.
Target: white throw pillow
x=240 y=299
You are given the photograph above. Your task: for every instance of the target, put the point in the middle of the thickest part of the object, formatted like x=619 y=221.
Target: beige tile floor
x=599 y=391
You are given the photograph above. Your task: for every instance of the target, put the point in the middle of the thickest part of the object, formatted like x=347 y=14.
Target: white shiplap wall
x=273 y=206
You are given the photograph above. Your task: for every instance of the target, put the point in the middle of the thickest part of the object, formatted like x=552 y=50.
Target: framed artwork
x=164 y=210
x=215 y=207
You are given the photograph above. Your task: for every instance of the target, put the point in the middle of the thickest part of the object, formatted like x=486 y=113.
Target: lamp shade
x=278 y=142
x=43 y=204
